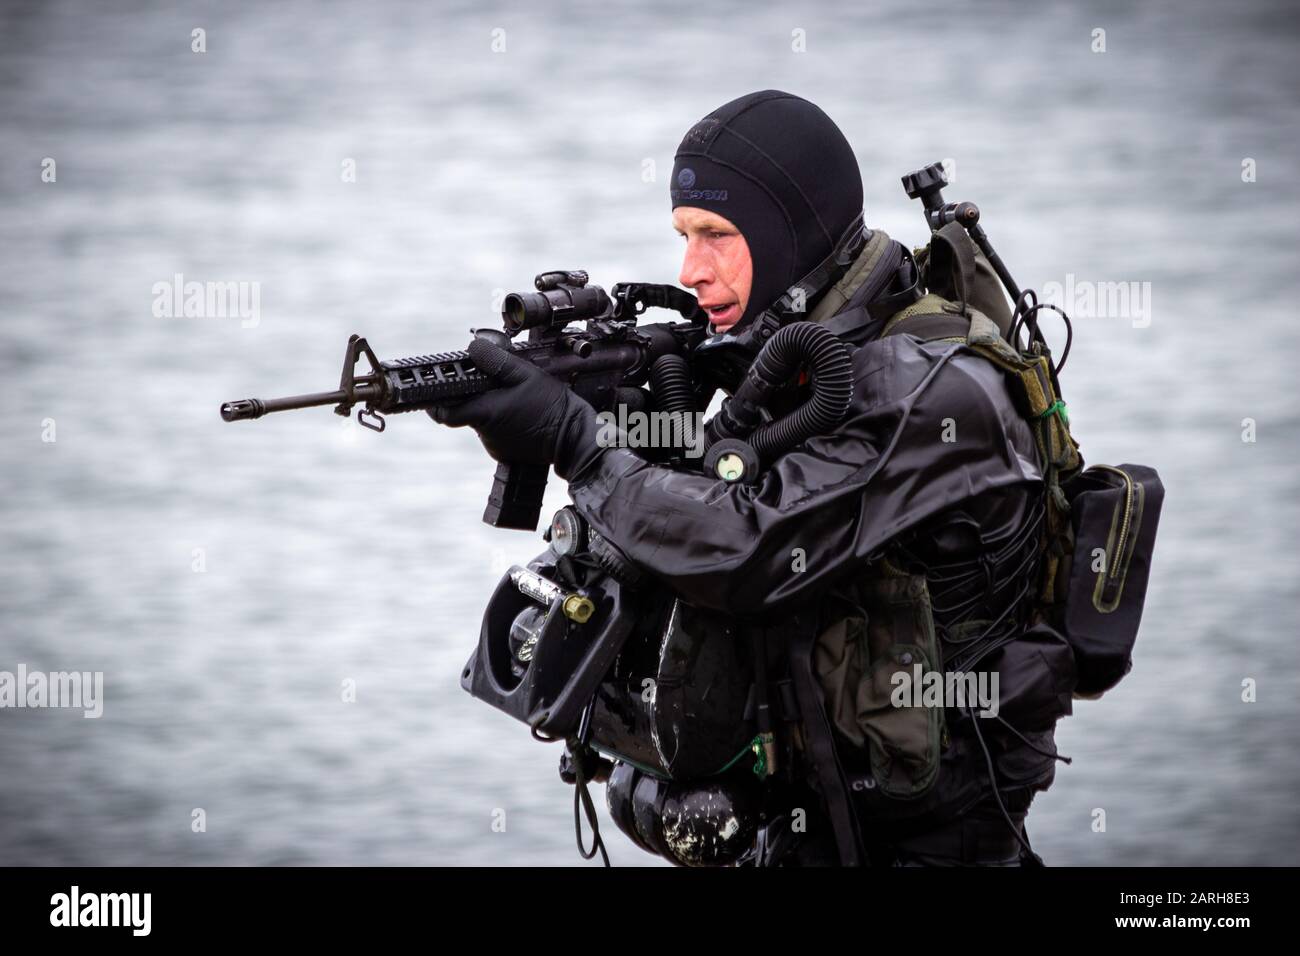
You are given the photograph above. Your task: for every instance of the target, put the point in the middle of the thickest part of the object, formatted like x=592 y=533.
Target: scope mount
x=554 y=278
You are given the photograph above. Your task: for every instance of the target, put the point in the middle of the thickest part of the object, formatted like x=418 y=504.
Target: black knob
x=922 y=182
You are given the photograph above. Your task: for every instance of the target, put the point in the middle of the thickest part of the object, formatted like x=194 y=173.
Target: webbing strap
x=952 y=258
x=868 y=274
x=849 y=324
x=1041 y=407
x=929 y=326
x=785 y=704
x=821 y=750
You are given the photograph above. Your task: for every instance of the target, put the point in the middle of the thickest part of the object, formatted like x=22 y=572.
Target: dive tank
x=704 y=823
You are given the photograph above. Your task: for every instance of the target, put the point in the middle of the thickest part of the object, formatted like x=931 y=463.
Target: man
x=913 y=531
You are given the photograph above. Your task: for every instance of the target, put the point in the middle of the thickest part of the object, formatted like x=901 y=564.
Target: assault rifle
x=604 y=364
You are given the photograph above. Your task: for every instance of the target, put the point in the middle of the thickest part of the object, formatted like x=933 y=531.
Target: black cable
x=583 y=797
x=964 y=664
x=1046 y=753
x=970 y=603
x=535 y=730
x=997 y=796
x=1018 y=314
x=1069 y=332
x=1027 y=315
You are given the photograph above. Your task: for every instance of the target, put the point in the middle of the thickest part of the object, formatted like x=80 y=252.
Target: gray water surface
x=331 y=554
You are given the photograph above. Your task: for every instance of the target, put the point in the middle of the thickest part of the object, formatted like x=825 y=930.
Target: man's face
x=716 y=265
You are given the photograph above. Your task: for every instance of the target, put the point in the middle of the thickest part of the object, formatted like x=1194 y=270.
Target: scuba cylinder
x=707 y=823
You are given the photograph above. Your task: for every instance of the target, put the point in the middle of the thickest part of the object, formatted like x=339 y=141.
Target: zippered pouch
x=1114 y=511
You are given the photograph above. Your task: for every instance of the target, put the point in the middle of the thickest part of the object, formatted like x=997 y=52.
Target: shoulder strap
x=952 y=264
x=883 y=281
x=929 y=321
x=819 y=742
x=867 y=275
x=1033 y=388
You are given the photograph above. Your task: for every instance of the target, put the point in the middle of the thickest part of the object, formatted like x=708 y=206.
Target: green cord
x=1057 y=407
x=760 y=753
x=755 y=747
x=748 y=748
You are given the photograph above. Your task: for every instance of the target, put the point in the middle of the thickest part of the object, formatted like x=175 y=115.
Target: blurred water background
x=334 y=554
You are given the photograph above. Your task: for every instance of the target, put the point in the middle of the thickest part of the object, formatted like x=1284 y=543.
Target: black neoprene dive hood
x=781 y=171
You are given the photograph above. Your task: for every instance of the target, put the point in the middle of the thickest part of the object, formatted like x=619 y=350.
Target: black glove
x=531 y=418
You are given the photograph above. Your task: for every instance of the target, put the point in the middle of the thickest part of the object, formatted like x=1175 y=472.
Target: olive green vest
x=888 y=625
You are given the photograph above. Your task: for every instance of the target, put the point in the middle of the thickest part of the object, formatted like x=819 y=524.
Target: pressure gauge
x=525 y=630
x=568 y=532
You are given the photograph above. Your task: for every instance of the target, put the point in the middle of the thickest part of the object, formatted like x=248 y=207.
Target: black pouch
x=1114 y=511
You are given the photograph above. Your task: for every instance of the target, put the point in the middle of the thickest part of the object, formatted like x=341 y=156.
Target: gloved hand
x=531 y=418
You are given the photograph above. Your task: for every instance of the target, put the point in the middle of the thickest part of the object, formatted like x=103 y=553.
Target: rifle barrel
x=246 y=409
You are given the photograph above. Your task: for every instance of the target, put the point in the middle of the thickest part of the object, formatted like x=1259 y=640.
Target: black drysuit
x=934 y=453
x=837 y=498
